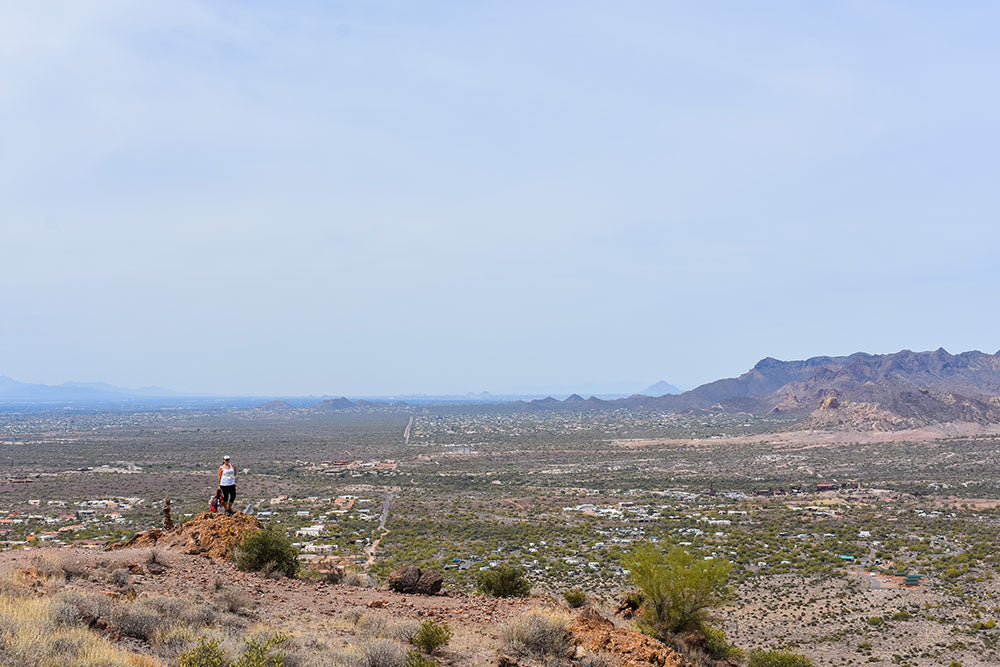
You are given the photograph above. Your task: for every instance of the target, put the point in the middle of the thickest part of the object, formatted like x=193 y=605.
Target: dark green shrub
x=761 y=658
x=431 y=636
x=268 y=549
x=504 y=581
x=678 y=588
x=575 y=598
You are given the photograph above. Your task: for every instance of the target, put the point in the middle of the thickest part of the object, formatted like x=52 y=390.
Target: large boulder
x=412 y=580
x=430 y=583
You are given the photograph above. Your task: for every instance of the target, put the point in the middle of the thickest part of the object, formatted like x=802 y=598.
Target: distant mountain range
x=861 y=390
x=12 y=390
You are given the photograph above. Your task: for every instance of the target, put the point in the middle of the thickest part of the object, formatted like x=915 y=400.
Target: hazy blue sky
x=374 y=198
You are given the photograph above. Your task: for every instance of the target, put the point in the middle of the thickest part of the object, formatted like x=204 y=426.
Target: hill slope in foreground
x=146 y=601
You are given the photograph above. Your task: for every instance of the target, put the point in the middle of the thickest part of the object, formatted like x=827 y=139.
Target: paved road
x=406 y=433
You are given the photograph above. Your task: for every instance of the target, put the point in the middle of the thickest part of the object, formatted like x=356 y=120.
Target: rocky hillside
x=886 y=391
x=168 y=596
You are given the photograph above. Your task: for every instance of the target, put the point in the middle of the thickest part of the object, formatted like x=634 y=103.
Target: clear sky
x=388 y=197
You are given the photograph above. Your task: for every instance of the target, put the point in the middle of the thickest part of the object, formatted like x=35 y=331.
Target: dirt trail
x=386 y=504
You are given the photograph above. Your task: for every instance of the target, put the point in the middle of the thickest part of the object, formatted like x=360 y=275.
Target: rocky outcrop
x=412 y=580
x=205 y=535
x=591 y=633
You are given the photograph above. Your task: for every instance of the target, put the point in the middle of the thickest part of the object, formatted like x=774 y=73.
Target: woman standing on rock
x=227 y=484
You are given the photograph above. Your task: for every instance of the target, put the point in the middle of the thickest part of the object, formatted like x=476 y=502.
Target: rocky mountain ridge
x=898 y=390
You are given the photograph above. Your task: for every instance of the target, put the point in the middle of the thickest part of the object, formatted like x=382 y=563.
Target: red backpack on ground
x=213 y=504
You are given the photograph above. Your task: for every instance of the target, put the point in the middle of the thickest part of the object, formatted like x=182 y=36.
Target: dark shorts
x=228 y=493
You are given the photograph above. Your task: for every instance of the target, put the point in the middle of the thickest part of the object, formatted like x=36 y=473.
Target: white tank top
x=228 y=476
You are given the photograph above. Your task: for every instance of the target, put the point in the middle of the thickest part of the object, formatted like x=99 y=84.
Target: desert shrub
x=431 y=636
x=155 y=557
x=267 y=548
x=504 y=581
x=259 y=651
x=71 y=608
x=359 y=580
x=763 y=658
x=678 y=588
x=380 y=625
x=414 y=659
x=205 y=654
x=575 y=598
x=137 y=621
x=537 y=634
x=334 y=576
x=717 y=644
x=121 y=577
x=234 y=601
x=170 y=642
x=382 y=653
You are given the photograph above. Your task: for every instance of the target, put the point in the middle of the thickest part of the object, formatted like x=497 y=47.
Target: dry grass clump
x=382 y=653
x=234 y=601
x=31 y=636
x=537 y=634
x=359 y=580
x=380 y=625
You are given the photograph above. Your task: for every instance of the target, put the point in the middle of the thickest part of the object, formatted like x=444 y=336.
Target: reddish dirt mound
x=633 y=649
x=206 y=534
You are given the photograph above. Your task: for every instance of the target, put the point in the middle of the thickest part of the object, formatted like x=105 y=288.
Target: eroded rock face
x=411 y=579
x=596 y=634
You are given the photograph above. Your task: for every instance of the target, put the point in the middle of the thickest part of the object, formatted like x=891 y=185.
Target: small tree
x=267 y=549
x=505 y=581
x=678 y=588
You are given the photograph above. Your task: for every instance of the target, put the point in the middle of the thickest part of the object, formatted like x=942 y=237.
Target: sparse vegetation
x=504 y=581
x=268 y=549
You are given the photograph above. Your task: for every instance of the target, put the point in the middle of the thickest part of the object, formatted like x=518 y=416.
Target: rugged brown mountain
x=901 y=389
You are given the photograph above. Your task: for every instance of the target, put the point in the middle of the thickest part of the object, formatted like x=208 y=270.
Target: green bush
x=762 y=658
x=575 y=598
x=678 y=588
x=258 y=651
x=205 y=654
x=431 y=636
x=414 y=659
x=717 y=644
x=268 y=549
x=504 y=581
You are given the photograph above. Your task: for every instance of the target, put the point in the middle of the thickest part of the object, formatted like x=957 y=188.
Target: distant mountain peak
x=661 y=388
x=573 y=398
